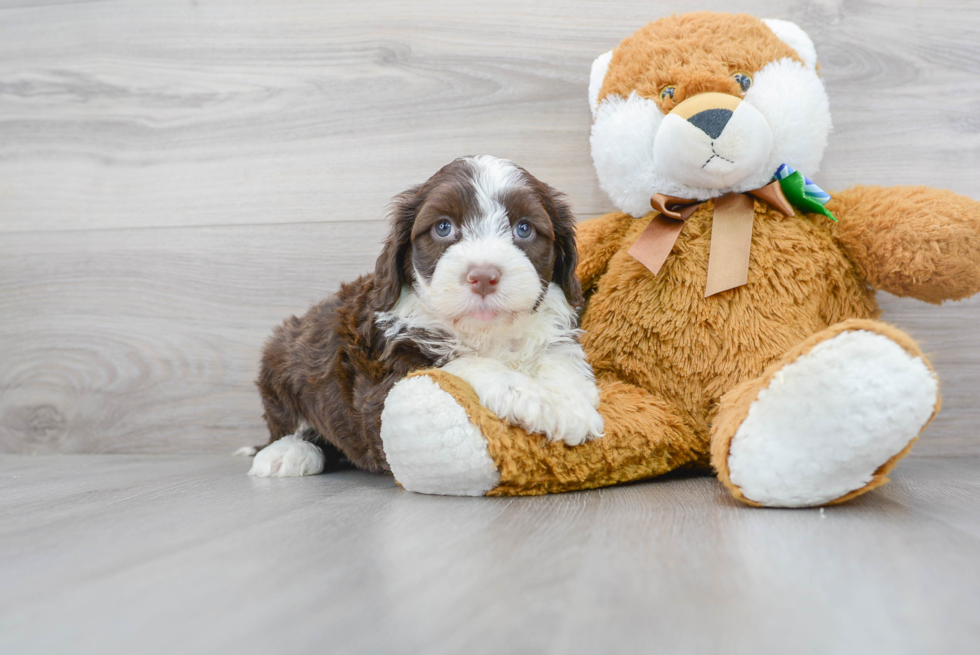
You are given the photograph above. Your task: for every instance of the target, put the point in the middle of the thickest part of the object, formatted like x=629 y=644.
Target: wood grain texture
x=149 y=340
x=176 y=178
x=168 y=554
x=126 y=113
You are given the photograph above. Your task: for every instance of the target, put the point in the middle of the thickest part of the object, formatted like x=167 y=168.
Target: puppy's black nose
x=483 y=279
x=711 y=121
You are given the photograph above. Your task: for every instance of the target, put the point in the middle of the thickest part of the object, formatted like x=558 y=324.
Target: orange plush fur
x=692 y=53
x=678 y=371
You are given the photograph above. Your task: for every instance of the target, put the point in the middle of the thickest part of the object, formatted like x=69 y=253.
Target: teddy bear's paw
x=288 y=457
x=830 y=419
x=431 y=444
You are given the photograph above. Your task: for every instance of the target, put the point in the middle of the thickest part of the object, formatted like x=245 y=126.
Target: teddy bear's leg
x=430 y=443
x=438 y=439
x=828 y=421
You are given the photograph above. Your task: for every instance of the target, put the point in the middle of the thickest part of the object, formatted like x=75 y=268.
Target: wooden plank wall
x=177 y=177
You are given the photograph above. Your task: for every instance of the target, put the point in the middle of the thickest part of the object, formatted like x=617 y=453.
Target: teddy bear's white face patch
x=794 y=103
x=715 y=148
x=622 y=139
x=784 y=118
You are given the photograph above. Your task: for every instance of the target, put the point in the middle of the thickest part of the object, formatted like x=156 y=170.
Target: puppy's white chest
x=513 y=351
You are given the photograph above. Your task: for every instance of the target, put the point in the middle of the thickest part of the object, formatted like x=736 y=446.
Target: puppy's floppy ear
x=393 y=269
x=566 y=255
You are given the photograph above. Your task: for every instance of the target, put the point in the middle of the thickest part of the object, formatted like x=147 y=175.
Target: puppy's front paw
x=555 y=409
x=291 y=456
x=574 y=421
x=559 y=417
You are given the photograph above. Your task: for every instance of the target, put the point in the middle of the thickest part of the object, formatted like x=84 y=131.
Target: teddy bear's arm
x=911 y=241
x=597 y=241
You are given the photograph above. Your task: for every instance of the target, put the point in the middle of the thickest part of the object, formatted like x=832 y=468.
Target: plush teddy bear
x=730 y=315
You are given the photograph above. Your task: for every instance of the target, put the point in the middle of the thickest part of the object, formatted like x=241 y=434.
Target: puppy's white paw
x=514 y=402
x=245 y=451
x=291 y=456
x=558 y=416
x=562 y=411
x=571 y=418
x=585 y=424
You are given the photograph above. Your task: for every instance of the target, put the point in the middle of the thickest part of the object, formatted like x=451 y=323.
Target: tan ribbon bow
x=731 y=234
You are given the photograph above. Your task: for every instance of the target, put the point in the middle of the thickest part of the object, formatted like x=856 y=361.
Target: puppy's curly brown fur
x=326 y=369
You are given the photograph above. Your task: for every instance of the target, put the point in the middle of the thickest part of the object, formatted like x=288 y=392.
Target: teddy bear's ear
x=599 y=68
x=793 y=35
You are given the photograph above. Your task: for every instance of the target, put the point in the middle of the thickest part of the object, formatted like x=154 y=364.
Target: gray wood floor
x=182 y=554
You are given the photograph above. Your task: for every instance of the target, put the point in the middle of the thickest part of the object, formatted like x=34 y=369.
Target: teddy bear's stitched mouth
x=715 y=154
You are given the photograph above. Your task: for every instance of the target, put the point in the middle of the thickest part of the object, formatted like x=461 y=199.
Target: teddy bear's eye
x=667 y=92
x=743 y=80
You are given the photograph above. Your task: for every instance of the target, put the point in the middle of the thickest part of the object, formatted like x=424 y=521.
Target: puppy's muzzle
x=483 y=279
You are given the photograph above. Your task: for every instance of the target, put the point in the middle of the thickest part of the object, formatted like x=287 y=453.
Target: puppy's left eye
x=443 y=229
x=743 y=80
x=523 y=230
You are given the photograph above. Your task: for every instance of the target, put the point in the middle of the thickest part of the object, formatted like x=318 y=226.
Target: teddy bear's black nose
x=711 y=121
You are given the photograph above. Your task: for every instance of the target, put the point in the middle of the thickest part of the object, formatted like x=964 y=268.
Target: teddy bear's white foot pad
x=431 y=444
x=288 y=457
x=830 y=419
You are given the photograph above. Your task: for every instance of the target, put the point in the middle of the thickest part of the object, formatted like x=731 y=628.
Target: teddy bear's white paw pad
x=431 y=444
x=290 y=456
x=830 y=419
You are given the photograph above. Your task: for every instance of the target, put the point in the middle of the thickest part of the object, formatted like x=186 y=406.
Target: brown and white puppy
x=477 y=276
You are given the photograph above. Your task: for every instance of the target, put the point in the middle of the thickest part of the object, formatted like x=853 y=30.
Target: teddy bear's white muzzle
x=715 y=147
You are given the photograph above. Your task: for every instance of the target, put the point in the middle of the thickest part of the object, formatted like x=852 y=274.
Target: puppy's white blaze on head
x=492 y=178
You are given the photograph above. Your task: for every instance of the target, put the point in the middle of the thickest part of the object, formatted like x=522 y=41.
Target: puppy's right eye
x=523 y=230
x=443 y=229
